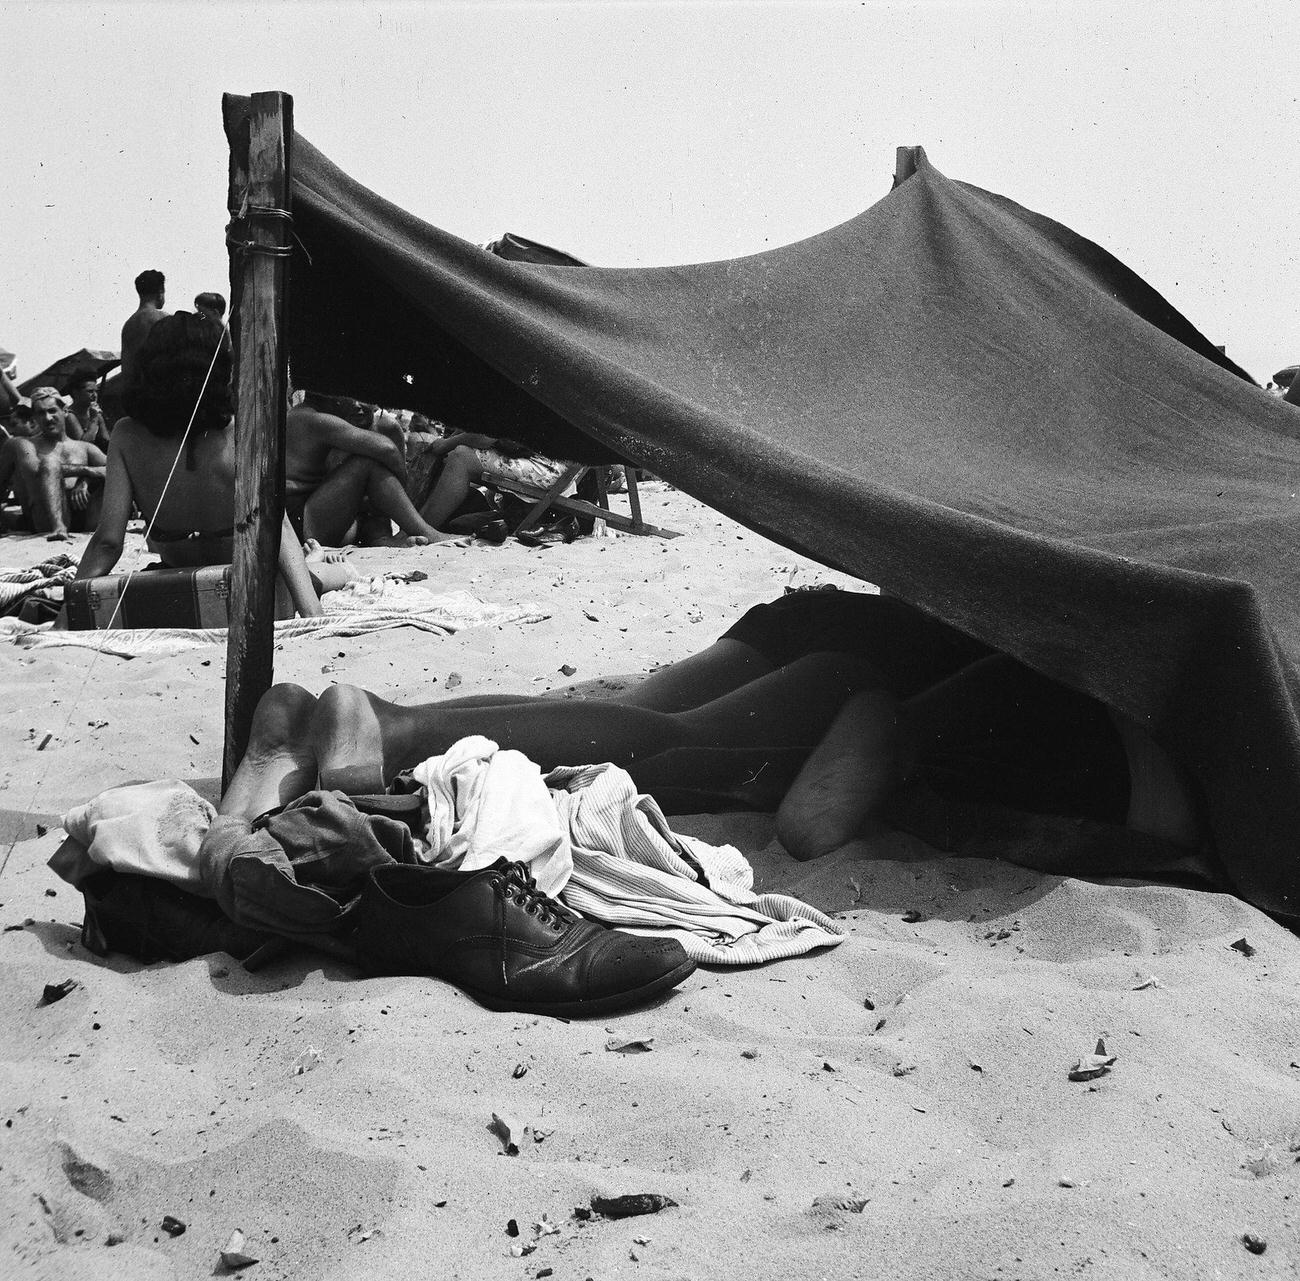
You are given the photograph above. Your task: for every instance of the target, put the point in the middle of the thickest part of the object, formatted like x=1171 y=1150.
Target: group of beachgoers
x=169 y=457
x=815 y=707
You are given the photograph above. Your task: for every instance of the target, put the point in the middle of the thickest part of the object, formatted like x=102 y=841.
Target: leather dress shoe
x=496 y=936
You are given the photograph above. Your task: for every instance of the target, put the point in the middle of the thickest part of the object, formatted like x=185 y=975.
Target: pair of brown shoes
x=496 y=936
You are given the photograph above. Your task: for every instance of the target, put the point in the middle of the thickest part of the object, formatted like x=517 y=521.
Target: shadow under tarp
x=948 y=395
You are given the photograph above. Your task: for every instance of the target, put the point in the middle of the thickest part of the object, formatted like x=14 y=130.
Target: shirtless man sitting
x=58 y=482
x=324 y=501
x=84 y=418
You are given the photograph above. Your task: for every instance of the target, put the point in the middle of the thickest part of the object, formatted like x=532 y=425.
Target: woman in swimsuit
x=174 y=458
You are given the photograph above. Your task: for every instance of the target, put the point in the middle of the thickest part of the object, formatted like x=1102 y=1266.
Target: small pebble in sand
x=1256 y=1245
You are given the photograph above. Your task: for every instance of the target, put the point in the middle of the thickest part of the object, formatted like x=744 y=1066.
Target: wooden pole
x=260 y=133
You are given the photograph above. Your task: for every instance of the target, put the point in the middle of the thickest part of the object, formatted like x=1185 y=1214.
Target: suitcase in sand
x=158 y=598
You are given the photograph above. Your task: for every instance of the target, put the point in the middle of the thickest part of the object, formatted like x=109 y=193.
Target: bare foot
x=279 y=765
x=315 y=554
x=331 y=575
x=348 y=741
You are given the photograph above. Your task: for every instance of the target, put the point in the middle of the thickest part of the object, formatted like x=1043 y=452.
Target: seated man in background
x=85 y=419
x=336 y=470
x=18 y=423
x=58 y=482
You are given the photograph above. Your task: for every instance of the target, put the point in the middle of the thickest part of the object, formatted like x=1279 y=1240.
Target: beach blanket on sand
x=948 y=395
x=348 y=614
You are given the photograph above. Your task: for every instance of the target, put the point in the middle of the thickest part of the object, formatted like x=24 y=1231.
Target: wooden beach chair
x=552 y=499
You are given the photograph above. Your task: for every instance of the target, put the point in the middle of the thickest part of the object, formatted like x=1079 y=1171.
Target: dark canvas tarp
x=949 y=395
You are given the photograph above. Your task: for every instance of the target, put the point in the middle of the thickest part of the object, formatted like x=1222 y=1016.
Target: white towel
x=607 y=851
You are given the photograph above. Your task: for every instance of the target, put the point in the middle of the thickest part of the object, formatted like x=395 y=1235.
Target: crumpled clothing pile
x=585 y=833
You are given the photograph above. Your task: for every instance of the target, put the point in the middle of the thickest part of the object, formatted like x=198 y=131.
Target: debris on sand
x=1093 y=1065
x=57 y=991
x=233 y=1255
x=504 y=1130
x=630 y=1044
x=631 y=1205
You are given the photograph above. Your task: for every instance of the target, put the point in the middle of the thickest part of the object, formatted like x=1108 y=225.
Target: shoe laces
x=515 y=883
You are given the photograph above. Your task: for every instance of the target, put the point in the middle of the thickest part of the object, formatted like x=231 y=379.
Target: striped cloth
x=607 y=851
x=17 y=584
x=439 y=613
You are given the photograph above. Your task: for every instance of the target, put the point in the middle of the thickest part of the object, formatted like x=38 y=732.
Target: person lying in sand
x=335 y=470
x=866 y=690
x=174 y=459
x=58 y=482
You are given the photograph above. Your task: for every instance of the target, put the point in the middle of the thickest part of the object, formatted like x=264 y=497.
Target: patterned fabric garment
x=17 y=584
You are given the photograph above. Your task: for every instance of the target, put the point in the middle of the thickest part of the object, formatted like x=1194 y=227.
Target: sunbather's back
x=182 y=489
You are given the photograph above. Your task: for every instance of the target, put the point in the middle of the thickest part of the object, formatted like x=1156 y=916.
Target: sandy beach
x=897 y=1106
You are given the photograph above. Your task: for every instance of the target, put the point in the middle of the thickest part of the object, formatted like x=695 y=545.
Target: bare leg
x=460 y=469
x=51 y=506
x=20 y=467
x=844 y=780
x=698 y=679
x=279 y=765
x=334 y=505
x=362 y=741
x=873 y=746
x=690 y=682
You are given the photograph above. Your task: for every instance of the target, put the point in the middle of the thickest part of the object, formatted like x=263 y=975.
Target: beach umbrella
x=57 y=374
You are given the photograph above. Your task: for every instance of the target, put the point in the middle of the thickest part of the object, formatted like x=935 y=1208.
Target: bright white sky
x=636 y=133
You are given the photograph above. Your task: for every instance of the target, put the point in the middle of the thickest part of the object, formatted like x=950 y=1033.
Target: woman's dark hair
x=170 y=373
